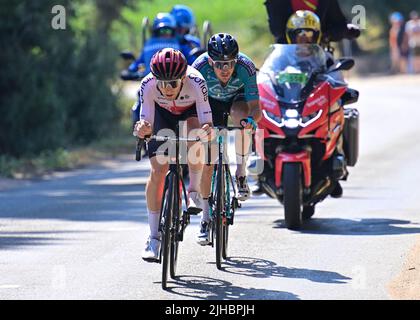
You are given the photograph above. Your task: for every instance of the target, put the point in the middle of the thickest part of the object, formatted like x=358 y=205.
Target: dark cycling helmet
x=222 y=47
x=184 y=16
x=168 y=64
x=163 y=20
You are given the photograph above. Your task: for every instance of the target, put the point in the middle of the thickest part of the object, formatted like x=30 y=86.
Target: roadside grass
x=67 y=158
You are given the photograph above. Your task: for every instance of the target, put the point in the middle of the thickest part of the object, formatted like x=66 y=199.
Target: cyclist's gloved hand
x=205 y=133
x=249 y=123
x=142 y=128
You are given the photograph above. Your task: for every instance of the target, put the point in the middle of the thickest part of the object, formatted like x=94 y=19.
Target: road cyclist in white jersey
x=172 y=94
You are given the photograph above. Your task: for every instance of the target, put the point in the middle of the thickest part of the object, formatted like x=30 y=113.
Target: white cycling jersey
x=194 y=93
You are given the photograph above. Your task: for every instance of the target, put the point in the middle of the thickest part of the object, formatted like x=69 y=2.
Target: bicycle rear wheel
x=227 y=209
x=166 y=224
x=219 y=206
x=225 y=238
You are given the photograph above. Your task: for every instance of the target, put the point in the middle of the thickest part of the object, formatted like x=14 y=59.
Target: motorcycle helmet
x=303 y=23
x=184 y=16
x=164 y=24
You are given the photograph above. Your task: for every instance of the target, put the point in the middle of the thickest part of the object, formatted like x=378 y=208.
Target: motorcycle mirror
x=130 y=76
x=127 y=55
x=342 y=64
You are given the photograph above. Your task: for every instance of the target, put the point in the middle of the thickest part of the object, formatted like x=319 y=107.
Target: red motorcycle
x=302 y=102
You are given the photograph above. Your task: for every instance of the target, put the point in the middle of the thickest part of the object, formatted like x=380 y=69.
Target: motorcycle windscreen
x=289 y=69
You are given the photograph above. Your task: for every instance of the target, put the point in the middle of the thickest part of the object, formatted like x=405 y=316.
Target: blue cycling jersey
x=153 y=45
x=189 y=42
x=193 y=40
x=243 y=78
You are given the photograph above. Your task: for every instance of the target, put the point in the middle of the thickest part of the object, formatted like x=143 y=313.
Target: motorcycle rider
x=304 y=27
x=185 y=23
x=231 y=78
x=163 y=36
x=334 y=26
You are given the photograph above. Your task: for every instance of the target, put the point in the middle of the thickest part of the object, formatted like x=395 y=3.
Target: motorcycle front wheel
x=292 y=196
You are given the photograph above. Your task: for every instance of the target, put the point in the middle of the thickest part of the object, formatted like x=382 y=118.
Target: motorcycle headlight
x=307 y=120
x=291 y=123
x=275 y=119
x=291 y=113
x=291 y=119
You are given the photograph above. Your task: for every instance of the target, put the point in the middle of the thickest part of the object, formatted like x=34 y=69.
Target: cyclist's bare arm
x=254 y=110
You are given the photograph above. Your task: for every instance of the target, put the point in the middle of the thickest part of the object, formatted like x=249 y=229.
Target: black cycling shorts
x=218 y=107
x=167 y=120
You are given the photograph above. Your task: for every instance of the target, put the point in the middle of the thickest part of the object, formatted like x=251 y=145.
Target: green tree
x=56 y=85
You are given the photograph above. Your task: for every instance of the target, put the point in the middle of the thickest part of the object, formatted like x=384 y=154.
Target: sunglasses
x=165 y=32
x=163 y=84
x=223 y=65
x=304 y=32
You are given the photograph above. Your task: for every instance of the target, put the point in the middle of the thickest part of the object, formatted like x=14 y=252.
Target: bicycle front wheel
x=219 y=206
x=176 y=219
x=166 y=224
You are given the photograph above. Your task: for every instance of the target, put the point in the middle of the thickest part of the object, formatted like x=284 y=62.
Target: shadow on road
x=97 y=194
x=11 y=239
x=216 y=289
x=363 y=227
x=261 y=268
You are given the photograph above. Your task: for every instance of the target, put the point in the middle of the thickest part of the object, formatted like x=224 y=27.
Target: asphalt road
x=79 y=234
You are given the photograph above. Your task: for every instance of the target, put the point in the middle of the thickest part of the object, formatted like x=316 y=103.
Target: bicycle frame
x=173 y=220
x=220 y=200
x=228 y=178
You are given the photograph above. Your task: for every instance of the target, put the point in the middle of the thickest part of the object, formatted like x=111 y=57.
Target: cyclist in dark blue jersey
x=170 y=30
x=163 y=36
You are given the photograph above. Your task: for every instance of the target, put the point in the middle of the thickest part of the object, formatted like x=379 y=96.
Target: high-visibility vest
x=310 y=5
